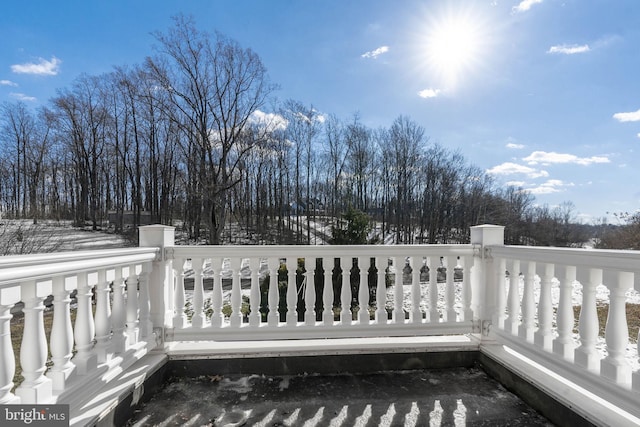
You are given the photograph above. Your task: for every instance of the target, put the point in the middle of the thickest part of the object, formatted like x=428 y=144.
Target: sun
x=453 y=44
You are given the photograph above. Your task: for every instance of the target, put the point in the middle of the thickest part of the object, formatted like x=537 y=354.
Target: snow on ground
x=22 y=236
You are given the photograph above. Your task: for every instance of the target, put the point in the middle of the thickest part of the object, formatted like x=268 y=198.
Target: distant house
x=128 y=218
x=315 y=206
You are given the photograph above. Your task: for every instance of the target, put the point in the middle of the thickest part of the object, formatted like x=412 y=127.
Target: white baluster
x=310 y=292
x=346 y=315
x=118 y=313
x=512 y=322
x=273 y=318
x=528 y=303
x=467 y=312
x=84 y=331
x=434 y=314
x=586 y=355
x=450 y=290
x=543 y=336
x=62 y=334
x=133 y=329
x=563 y=344
x=415 y=316
x=397 y=316
x=144 y=302
x=198 y=320
x=254 y=300
x=615 y=366
x=381 y=291
x=217 y=318
x=102 y=317
x=179 y=316
x=363 y=291
x=327 y=291
x=235 y=319
x=501 y=299
x=36 y=387
x=9 y=296
x=292 y=291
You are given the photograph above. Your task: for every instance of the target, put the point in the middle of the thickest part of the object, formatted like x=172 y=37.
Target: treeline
x=184 y=137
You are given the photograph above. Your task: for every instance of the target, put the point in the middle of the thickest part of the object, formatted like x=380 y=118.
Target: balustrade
x=540 y=321
x=88 y=277
x=318 y=288
x=200 y=293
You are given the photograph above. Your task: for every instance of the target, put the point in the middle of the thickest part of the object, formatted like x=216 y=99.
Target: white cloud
x=270 y=122
x=569 y=49
x=512 y=143
x=376 y=52
x=429 y=93
x=43 y=67
x=515 y=183
x=514 y=146
x=23 y=97
x=546 y=158
x=633 y=116
x=510 y=168
x=8 y=83
x=551 y=186
x=525 y=5
x=319 y=117
x=638 y=135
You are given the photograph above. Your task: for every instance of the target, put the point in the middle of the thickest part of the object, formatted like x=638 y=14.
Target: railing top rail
x=301 y=251
x=42 y=266
x=623 y=260
x=35 y=259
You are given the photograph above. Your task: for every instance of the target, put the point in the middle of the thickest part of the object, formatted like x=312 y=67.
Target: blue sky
x=544 y=94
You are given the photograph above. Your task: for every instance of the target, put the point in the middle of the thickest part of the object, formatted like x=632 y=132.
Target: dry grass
x=633 y=319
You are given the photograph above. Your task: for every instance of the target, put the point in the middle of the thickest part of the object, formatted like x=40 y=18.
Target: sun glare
x=454 y=44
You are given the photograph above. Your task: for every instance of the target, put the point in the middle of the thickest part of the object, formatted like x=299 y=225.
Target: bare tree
x=303 y=125
x=360 y=161
x=407 y=141
x=81 y=119
x=21 y=131
x=336 y=153
x=216 y=85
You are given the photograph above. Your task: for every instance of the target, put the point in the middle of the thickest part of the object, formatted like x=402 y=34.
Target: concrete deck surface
x=442 y=397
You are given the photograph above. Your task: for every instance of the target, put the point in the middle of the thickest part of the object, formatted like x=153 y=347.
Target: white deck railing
x=535 y=314
x=276 y=292
x=517 y=296
x=112 y=326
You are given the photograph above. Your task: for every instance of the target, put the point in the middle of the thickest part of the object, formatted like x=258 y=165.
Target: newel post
x=484 y=278
x=160 y=276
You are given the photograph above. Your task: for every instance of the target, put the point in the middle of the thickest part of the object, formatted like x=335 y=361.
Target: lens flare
x=453 y=44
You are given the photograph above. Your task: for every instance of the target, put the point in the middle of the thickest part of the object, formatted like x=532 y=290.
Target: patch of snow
x=240 y=386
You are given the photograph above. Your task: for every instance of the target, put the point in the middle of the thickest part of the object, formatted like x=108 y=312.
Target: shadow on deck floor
x=442 y=397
